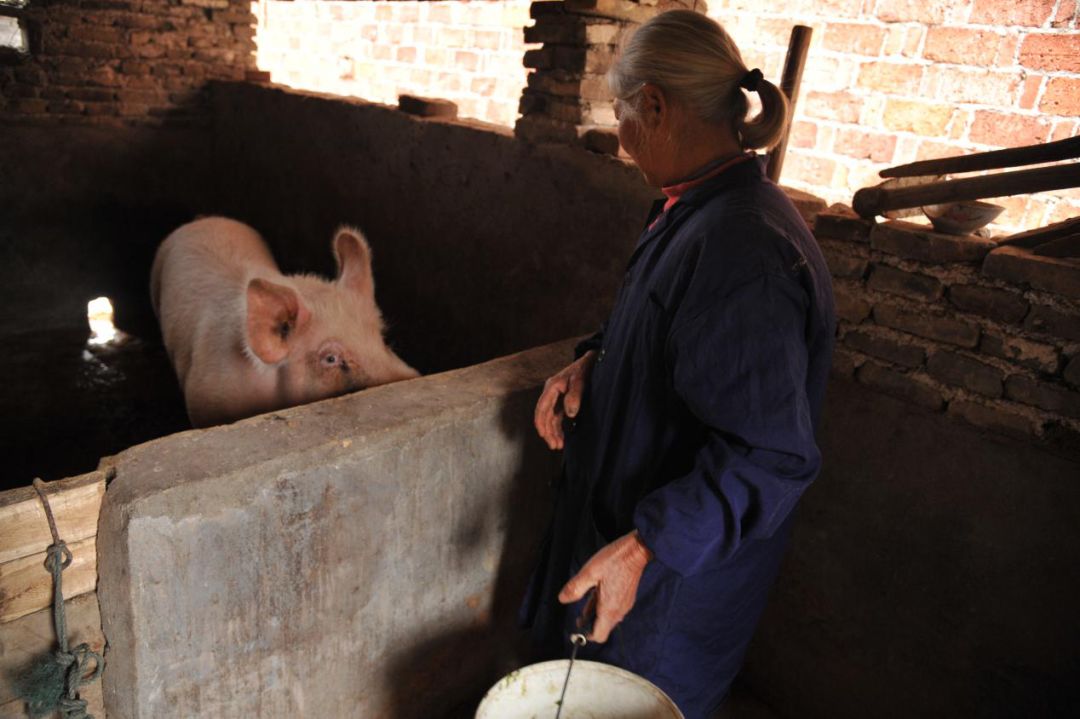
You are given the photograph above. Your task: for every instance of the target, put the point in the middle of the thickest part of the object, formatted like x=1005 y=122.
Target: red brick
x=931 y=150
x=982 y=87
x=841 y=260
x=963 y=371
x=962 y=46
x=917 y=242
x=405 y=54
x=854 y=38
x=1008 y=129
x=1062 y=96
x=844 y=363
x=996 y=417
x=905 y=284
x=899 y=384
x=1052 y=322
x=809 y=169
x=1020 y=266
x=467 y=60
x=1044 y=395
x=839 y=222
x=1028 y=13
x=931 y=12
x=838 y=106
x=1053 y=53
x=1064 y=129
x=860 y=144
x=929 y=326
x=1030 y=91
x=876 y=343
x=1066 y=14
x=896 y=78
x=921 y=118
x=1037 y=356
x=804 y=134
x=996 y=304
x=851 y=306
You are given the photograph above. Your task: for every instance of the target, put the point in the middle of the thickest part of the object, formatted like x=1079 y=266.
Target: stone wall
x=990 y=335
x=124 y=62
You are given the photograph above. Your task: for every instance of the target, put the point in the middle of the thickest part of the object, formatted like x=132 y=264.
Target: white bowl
x=962 y=218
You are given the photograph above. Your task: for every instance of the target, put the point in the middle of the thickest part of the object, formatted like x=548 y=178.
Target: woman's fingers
x=572 y=400
x=544 y=415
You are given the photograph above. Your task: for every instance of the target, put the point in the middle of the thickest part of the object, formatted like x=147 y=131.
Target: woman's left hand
x=615 y=572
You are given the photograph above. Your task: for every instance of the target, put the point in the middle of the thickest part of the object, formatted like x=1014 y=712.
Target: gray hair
x=693 y=59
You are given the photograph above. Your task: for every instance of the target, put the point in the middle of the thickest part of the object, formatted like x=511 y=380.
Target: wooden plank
x=1036 y=237
x=790 y=80
x=871 y=201
x=26 y=586
x=1067 y=246
x=75 y=502
x=995 y=159
x=92 y=693
x=25 y=639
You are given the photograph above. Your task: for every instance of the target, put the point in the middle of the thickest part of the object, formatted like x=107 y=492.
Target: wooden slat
x=1036 y=237
x=25 y=639
x=26 y=586
x=1067 y=246
x=995 y=159
x=76 y=504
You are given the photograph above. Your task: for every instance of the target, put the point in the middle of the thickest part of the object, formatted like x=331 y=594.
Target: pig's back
x=197 y=287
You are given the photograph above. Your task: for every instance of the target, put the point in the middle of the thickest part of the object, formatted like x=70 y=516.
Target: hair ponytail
x=767 y=127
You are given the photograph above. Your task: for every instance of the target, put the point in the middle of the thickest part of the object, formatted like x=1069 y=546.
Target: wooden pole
x=871 y=201
x=1012 y=157
x=794 y=63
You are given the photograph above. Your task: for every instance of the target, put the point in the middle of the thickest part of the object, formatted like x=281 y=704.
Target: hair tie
x=750 y=80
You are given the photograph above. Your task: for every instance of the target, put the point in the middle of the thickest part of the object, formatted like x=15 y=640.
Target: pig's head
x=323 y=338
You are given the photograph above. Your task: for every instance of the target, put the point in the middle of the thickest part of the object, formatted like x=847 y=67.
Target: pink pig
x=245 y=339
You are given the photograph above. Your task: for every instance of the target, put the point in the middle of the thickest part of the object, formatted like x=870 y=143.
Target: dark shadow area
x=446 y=676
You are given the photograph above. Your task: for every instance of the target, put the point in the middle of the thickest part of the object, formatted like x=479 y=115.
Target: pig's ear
x=274 y=314
x=354 y=261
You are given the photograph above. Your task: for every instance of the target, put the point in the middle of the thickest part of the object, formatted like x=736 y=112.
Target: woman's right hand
x=562 y=397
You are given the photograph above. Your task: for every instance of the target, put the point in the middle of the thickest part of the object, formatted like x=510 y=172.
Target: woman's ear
x=654 y=106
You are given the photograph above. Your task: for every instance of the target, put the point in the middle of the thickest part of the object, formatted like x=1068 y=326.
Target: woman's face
x=636 y=139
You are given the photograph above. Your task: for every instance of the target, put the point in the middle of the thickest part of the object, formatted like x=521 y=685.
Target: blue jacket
x=697 y=429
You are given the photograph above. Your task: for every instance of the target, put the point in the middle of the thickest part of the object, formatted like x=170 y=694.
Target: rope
x=53 y=683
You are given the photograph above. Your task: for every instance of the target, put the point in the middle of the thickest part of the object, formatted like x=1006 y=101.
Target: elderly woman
x=688 y=420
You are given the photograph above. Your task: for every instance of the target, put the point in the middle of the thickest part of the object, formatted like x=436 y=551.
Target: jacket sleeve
x=739 y=365
x=593 y=342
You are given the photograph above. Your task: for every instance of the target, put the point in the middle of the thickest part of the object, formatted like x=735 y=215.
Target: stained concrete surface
x=362 y=556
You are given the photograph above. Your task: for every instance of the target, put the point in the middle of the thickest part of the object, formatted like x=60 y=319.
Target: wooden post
x=790 y=81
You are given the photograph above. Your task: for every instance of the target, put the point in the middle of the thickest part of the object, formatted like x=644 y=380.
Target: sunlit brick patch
x=467 y=52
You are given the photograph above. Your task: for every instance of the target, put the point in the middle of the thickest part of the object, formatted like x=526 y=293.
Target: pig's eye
x=330 y=360
x=283 y=330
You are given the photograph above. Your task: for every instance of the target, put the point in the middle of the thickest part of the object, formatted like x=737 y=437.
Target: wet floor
x=67 y=403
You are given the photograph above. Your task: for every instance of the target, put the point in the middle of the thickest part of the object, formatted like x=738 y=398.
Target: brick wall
x=989 y=335
x=124 y=62
x=466 y=51
x=894 y=81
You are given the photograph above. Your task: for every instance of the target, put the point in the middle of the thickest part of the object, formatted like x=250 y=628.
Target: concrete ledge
x=361 y=556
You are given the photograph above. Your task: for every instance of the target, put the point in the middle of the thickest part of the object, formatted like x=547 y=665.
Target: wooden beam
x=993 y=160
x=26 y=586
x=790 y=80
x=75 y=502
x=25 y=639
x=871 y=201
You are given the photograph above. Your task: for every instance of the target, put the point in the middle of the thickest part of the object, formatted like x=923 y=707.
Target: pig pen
x=364 y=555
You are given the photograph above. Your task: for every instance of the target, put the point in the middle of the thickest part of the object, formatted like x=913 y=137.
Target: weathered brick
x=1054 y=53
x=954 y=84
x=1030 y=13
x=1008 y=129
x=850 y=305
x=922 y=118
x=996 y=417
x=886 y=348
x=906 y=284
x=842 y=264
x=962 y=371
x=1000 y=305
x=836 y=106
x=929 y=326
x=891 y=77
x=1051 y=397
x=862 y=39
x=917 y=242
x=1061 y=97
x=1021 y=266
x=899 y=384
x=863 y=145
x=840 y=222
x=1048 y=320
x=1027 y=353
x=844 y=363
x=1072 y=371
x=961 y=45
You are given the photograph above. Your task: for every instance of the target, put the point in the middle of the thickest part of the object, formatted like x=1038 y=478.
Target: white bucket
x=595 y=691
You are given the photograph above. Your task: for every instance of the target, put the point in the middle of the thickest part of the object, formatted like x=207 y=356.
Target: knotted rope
x=53 y=682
